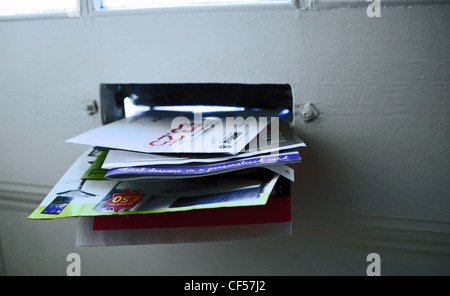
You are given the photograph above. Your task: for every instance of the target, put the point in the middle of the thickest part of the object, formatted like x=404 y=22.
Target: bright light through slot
x=199 y=108
x=131 y=109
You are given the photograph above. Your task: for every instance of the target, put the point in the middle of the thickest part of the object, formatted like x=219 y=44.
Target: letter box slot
x=214 y=95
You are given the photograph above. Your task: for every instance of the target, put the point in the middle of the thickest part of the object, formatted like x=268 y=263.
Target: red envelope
x=276 y=210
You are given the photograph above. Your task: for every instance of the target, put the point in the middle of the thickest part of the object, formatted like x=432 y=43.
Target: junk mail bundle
x=166 y=177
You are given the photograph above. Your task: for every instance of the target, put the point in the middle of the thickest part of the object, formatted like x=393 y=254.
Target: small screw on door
x=308 y=112
x=91 y=108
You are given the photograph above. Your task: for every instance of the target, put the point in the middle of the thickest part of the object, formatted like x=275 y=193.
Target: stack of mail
x=163 y=176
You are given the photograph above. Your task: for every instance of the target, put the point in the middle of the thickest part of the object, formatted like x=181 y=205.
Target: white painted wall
x=375 y=173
